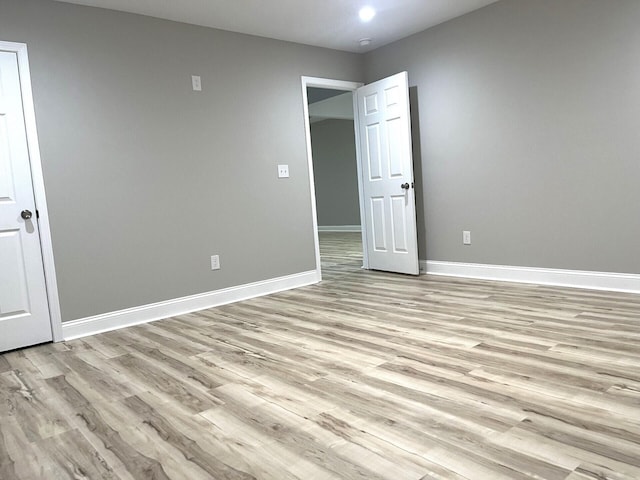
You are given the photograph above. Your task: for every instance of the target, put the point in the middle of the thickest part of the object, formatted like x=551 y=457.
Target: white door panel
x=399 y=228
x=14 y=295
x=24 y=311
x=385 y=135
x=373 y=152
x=378 y=226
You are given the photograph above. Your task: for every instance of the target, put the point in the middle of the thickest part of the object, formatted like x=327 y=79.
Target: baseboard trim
x=616 y=282
x=340 y=228
x=179 y=306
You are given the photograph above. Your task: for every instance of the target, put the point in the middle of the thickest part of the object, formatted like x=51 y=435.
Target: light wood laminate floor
x=367 y=375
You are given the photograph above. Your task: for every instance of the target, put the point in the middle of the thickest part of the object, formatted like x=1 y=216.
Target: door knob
x=405 y=186
x=26 y=214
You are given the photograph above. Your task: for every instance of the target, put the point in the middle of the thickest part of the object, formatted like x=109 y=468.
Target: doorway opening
x=334 y=173
x=335 y=170
x=382 y=130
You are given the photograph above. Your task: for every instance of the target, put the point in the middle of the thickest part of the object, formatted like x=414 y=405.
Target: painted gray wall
x=147 y=179
x=335 y=172
x=528 y=133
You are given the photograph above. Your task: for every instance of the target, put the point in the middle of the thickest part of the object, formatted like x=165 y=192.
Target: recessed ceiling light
x=365 y=42
x=367 y=13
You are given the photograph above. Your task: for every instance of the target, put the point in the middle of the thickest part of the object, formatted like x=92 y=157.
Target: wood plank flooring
x=367 y=375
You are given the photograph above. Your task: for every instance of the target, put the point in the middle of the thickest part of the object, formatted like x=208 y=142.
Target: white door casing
x=24 y=309
x=388 y=193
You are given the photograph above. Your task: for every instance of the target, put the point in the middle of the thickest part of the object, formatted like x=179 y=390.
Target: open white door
x=384 y=131
x=24 y=310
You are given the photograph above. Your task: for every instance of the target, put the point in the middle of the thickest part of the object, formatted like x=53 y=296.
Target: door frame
x=318 y=82
x=37 y=177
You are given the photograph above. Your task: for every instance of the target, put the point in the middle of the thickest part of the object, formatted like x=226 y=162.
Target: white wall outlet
x=215 y=262
x=196 y=83
x=283 y=171
x=466 y=237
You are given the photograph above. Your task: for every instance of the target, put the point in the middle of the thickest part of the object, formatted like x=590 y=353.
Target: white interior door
x=24 y=311
x=384 y=131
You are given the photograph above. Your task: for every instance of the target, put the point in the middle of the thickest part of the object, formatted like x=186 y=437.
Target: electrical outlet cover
x=283 y=171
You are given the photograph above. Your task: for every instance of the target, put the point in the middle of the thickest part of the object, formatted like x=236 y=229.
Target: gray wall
x=335 y=172
x=147 y=179
x=529 y=113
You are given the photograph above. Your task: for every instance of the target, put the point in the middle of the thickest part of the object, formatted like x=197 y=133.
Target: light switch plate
x=283 y=171
x=196 y=83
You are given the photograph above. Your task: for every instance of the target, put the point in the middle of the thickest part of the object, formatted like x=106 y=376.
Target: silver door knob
x=405 y=186
x=26 y=214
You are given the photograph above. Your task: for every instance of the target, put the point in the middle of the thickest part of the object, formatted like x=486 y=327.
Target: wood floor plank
x=5 y=366
x=158 y=380
x=22 y=398
x=138 y=464
x=300 y=435
x=360 y=432
x=70 y=455
x=187 y=446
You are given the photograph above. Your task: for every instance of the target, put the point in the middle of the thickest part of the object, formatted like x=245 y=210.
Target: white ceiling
x=324 y=23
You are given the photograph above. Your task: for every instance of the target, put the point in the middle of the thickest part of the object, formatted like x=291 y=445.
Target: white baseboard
x=179 y=306
x=340 y=228
x=617 y=282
